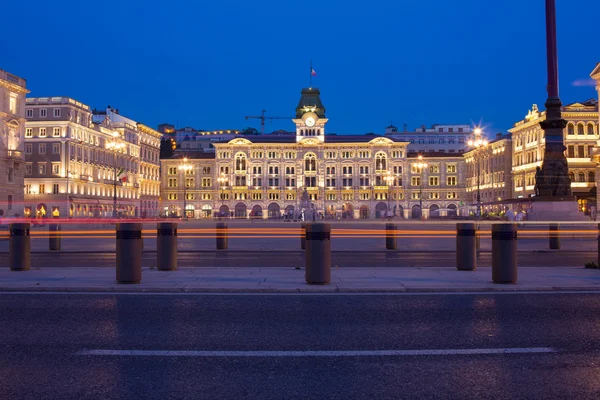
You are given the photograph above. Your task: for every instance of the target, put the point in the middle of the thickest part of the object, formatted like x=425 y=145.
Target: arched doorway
x=433 y=210
x=416 y=212
x=41 y=210
x=399 y=211
x=347 y=211
x=206 y=211
x=224 y=211
x=189 y=211
x=364 y=212
x=380 y=210
x=274 y=211
x=452 y=210
x=240 y=210
x=289 y=212
x=256 y=212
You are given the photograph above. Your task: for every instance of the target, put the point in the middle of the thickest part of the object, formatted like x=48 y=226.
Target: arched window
x=380 y=162
x=571 y=129
x=240 y=162
x=580 y=129
x=581 y=177
x=572 y=176
x=591 y=177
x=310 y=162
x=590 y=130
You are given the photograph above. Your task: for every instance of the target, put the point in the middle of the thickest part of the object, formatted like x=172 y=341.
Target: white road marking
x=313 y=353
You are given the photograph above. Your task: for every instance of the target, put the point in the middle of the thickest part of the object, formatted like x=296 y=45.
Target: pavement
x=523 y=345
x=292 y=280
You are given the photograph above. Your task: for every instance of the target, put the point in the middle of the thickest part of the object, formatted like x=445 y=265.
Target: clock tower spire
x=310 y=115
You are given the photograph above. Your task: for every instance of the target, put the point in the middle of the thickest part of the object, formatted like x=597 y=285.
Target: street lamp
x=185 y=167
x=222 y=182
x=421 y=165
x=389 y=180
x=115 y=146
x=478 y=142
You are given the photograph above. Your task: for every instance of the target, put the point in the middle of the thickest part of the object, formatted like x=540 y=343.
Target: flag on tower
x=313 y=72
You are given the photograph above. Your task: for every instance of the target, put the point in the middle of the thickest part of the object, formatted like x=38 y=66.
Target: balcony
x=15 y=155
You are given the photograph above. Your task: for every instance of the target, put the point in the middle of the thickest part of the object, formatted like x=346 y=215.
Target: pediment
x=240 y=141
x=381 y=141
x=310 y=141
x=596 y=72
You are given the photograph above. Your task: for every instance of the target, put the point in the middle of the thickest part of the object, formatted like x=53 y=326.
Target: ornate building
x=345 y=176
x=12 y=129
x=440 y=138
x=76 y=160
x=489 y=170
x=580 y=135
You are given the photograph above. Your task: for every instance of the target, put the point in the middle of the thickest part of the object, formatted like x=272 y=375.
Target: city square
x=271 y=200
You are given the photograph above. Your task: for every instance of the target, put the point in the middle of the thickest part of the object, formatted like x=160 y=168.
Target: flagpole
x=310 y=75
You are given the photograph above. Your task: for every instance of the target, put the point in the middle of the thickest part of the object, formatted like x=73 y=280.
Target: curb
x=316 y=290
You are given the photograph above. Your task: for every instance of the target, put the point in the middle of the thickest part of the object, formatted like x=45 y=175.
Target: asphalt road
x=291 y=259
x=300 y=346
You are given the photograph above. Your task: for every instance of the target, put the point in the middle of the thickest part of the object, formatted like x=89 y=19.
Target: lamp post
x=389 y=180
x=115 y=146
x=478 y=142
x=421 y=165
x=222 y=181
x=185 y=167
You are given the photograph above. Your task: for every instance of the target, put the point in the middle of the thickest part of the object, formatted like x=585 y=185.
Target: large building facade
x=580 y=136
x=440 y=138
x=340 y=176
x=489 y=173
x=12 y=130
x=77 y=159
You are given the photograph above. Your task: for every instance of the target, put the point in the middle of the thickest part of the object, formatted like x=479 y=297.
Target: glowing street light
x=421 y=166
x=116 y=147
x=478 y=142
x=185 y=167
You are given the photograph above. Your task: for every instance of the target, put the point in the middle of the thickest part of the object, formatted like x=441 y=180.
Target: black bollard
x=390 y=236
x=19 y=247
x=222 y=236
x=54 y=236
x=129 y=252
x=504 y=253
x=318 y=253
x=303 y=236
x=166 y=246
x=466 y=252
x=554 y=237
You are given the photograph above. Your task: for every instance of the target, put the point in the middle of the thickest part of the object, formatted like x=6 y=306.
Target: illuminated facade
x=71 y=167
x=12 y=130
x=351 y=176
x=493 y=164
x=580 y=136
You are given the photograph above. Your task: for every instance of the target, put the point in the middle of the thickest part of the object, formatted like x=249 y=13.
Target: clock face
x=310 y=121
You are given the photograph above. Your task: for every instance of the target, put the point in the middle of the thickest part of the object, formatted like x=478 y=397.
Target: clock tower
x=310 y=116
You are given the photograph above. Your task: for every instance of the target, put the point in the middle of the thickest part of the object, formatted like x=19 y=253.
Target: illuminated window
x=28 y=132
x=56 y=132
x=42 y=132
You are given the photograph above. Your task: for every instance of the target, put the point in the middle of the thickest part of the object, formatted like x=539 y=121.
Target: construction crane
x=263 y=118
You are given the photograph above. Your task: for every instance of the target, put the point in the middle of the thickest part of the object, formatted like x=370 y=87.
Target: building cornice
x=14 y=87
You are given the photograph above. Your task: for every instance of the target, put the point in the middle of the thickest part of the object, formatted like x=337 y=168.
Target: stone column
x=596 y=155
x=553 y=182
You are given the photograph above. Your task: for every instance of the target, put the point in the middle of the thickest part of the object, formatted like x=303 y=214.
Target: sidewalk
x=292 y=280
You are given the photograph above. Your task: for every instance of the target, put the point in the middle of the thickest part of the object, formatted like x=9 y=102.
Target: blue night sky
x=207 y=64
